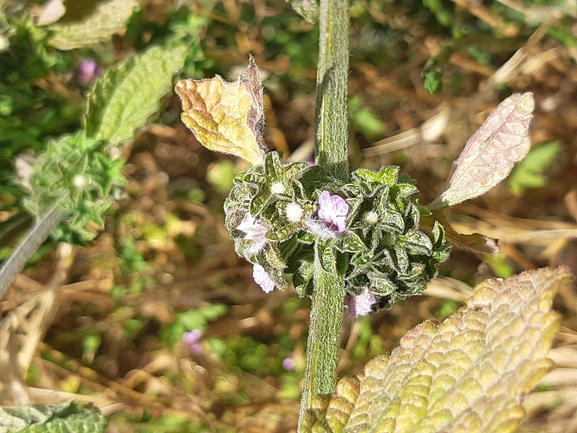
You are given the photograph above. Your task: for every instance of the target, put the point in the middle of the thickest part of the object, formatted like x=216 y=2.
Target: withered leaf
x=226 y=117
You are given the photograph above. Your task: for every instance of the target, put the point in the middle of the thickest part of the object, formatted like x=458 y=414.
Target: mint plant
x=356 y=239
x=347 y=240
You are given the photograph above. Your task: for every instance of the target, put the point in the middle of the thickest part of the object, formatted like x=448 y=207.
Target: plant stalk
x=330 y=153
x=28 y=245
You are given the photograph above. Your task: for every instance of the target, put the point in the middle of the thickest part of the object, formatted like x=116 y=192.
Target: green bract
x=273 y=206
x=75 y=171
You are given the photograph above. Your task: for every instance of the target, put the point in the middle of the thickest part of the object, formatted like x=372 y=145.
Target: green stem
x=29 y=244
x=331 y=138
x=330 y=153
x=324 y=332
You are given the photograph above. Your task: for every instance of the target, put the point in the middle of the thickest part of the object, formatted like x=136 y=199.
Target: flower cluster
x=280 y=215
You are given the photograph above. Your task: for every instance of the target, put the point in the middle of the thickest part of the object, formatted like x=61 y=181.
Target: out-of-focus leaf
x=127 y=95
x=489 y=155
x=90 y=22
x=6 y=28
x=475 y=242
x=308 y=9
x=47 y=418
x=470 y=374
x=364 y=119
x=530 y=172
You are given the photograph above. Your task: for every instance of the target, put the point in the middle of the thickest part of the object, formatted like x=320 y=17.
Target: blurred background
x=157 y=321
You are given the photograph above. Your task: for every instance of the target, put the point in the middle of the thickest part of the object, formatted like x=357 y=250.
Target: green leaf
x=433 y=80
x=52 y=418
x=127 y=95
x=530 y=172
x=468 y=374
x=90 y=22
x=490 y=153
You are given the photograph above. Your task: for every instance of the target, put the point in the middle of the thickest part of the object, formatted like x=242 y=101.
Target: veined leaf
x=490 y=153
x=469 y=374
x=127 y=95
x=90 y=22
x=49 y=418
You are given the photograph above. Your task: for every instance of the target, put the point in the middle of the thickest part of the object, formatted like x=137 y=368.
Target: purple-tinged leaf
x=490 y=153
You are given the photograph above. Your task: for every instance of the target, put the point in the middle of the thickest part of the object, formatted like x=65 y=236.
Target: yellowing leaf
x=469 y=374
x=490 y=153
x=226 y=117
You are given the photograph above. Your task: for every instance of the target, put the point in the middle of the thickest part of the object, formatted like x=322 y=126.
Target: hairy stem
x=332 y=75
x=331 y=153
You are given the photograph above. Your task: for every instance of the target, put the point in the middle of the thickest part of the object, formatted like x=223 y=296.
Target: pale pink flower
x=262 y=279
x=289 y=362
x=191 y=340
x=361 y=305
x=331 y=220
x=255 y=231
x=88 y=71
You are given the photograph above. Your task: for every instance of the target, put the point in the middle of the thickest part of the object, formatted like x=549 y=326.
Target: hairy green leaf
x=530 y=172
x=490 y=153
x=468 y=374
x=127 y=95
x=52 y=418
x=90 y=22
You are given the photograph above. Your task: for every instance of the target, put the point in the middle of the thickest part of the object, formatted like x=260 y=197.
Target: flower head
x=332 y=214
x=361 y=305
x=88 y=71
x=255 y=231
x=289 y=362
x=191 y=340
x=263 y=279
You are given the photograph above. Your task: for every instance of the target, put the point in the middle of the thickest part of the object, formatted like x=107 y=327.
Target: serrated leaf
x=490 y=153
x=469 y=374
x=127 y=95
x=48 y=418
x=88 y=23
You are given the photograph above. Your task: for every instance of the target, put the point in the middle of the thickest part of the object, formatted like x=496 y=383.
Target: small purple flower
x=88 y=71
x=254 y=230
x=289 y=362
x=332 y=216
x=262 y=279
x=191 y=340
x=361 y=305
